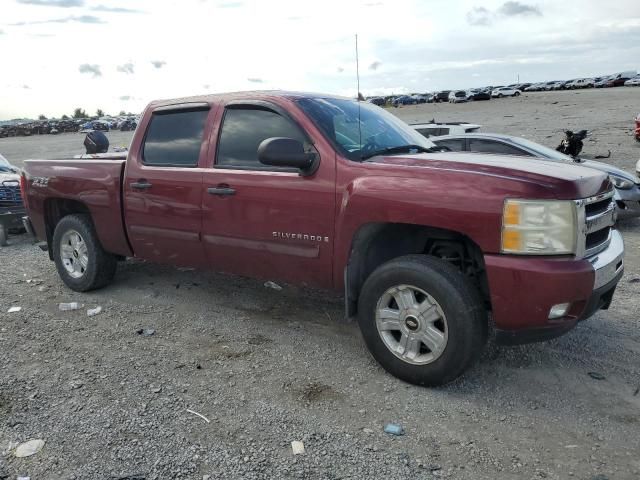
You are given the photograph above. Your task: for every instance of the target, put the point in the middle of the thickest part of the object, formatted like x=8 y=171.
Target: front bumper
x=523 y=290
x=11 y=217
x=628 y=202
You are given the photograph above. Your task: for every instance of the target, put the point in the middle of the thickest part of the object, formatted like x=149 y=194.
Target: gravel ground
x=268 y=367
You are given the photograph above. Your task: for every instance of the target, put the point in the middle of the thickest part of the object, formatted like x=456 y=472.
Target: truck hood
x=563 y=181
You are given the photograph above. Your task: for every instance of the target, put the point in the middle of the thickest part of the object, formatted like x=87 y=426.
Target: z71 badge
x=40 y=181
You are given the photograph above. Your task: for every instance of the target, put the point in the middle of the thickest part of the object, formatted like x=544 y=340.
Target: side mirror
x=285 y=152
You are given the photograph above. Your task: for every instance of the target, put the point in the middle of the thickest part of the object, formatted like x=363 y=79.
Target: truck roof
x=213 y=97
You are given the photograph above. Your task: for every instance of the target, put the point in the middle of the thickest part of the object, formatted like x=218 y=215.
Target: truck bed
x=96 y=184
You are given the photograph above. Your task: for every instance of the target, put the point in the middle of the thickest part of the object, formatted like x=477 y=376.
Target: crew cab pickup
x=426 y=245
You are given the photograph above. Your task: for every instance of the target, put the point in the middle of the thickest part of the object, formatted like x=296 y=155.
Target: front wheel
x=517 y=94
x=422 y=319
x=81 y=261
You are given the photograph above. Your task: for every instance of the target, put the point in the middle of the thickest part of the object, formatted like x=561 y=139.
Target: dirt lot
x=268 y=367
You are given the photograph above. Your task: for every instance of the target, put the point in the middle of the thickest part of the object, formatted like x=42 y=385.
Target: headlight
x=621 y=183
x=539 y=227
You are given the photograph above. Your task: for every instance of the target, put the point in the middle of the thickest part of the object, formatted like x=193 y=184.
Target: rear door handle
x=221 y=191
x=141 y=185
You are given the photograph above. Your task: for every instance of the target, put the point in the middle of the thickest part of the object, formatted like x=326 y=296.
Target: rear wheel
x=422 y=320
x=517 y=94
x=80 y=259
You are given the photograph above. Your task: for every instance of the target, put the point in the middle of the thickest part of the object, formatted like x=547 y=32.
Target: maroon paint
x=176 y=221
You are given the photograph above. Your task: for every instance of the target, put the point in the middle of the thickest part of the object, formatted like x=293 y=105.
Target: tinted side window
x=174 y=138
x=243 y=130
x=453 y=145
x=431 y=132
x=488 y=146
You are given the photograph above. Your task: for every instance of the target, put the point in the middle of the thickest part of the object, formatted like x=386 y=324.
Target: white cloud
x=233 y=45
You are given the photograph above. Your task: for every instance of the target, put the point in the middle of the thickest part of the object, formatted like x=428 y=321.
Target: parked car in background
x=379 y=101
x=505 y=92
x=602 y=83
x=404 y=100
x=633 y=82
x=458 y=96
x=436 y=129
x=523 y=86
x=619 y=79
x=627 y=195
x=478 y=94
x=581 y=83
x=637 y=130
x=536 y=87
x=11 y=205
x=442 y=96
x=419 y=98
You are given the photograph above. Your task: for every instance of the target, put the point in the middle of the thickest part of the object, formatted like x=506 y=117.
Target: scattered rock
x=28 y=448
x=43 y=288
x=367 y=430
x=596 y=375
x=14 y=309
x=155 y=389
x=67 y=307
x=297 y=447
x=146 y=332
x=634 y=280
x=272 y=285
x=394 y=429
x=94 y=311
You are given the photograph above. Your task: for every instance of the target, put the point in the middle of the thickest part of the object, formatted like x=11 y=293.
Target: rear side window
x=174 y=138
x=243 y=129
x=488 y=146
x=453 y=145
x=433 y=132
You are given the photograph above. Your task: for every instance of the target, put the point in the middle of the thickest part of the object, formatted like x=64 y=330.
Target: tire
x=517 y=94
x=448 y=294
x=499 y=95
x=98 y=267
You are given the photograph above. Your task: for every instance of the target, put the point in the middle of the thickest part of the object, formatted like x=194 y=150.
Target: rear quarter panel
x=94 y=183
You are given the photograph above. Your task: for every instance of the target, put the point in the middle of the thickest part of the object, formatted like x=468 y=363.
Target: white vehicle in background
x=433 y=129
x=581 y=83
x=633 y=82
x=459 y=96
x=505 y=92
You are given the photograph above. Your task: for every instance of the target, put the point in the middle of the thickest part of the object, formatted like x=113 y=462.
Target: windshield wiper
x=401 y=149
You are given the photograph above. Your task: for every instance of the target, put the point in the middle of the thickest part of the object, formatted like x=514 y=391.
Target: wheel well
x=375 y=244
x=54 y=210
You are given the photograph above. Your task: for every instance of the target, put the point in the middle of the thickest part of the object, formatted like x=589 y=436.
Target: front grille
x=10 y=195
x=598 y=215
x=596 y=239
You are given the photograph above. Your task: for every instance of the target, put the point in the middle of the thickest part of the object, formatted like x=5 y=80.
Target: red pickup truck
x=426 y=245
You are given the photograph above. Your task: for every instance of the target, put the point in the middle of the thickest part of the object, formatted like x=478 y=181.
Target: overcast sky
x=120 y=54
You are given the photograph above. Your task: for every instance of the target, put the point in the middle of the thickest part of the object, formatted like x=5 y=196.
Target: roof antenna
x=359 y=97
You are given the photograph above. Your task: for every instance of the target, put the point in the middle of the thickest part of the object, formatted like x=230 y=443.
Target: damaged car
x=11 y=206
x=627 y=185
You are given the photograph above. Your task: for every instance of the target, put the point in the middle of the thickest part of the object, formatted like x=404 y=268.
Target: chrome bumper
x=609 y=262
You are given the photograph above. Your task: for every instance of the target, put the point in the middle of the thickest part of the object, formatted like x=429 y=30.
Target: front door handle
x=221 y=191
x=141 y=185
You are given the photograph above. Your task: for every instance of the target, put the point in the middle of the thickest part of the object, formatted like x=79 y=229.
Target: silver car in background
x=627 y=185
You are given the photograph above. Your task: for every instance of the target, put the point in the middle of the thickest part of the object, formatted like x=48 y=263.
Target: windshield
x=359 y=132
x=543 y=151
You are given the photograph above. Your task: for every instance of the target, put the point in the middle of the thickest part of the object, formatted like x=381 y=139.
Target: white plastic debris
x=94 y=311
x=273 y=285
x=14 y=309
x=23 y=478
x=66 y=307
x=297 y=447
x=29 y=448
